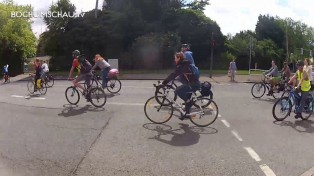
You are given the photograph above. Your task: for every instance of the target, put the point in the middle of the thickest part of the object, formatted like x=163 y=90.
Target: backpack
x=86 y=67
x=195 y=71
x=206 y=89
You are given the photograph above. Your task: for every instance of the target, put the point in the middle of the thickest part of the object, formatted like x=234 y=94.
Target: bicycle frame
x=177 y=105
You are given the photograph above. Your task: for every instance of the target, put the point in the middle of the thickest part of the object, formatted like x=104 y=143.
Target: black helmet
x=185 y=46
x=75 y=53
x=300 y=63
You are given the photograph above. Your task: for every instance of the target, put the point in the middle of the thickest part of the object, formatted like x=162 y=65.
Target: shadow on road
x=184 y=136
x=74 y=110
x=269 y=100
x=307 y=126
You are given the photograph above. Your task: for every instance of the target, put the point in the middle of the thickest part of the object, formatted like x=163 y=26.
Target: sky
x=231 y=15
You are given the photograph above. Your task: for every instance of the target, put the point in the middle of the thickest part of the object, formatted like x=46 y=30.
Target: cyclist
x=38 y=70
x=85 y=73
x=190 y=83
x=5 y=72
x=303 y=86
x=45 y=70
x=105 y=68
x=286 y=73
x=273 y=76
x=188 y=55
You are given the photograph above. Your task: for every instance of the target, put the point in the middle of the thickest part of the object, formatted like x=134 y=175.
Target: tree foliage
x=17 y=41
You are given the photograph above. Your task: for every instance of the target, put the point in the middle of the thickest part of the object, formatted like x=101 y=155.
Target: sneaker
x=84 y=93
x=184 y=117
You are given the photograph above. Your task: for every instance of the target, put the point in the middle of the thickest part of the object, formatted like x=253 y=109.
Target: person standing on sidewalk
x=232 y=69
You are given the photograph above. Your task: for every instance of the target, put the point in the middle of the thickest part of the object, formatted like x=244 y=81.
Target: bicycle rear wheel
x=258 y=90
x=72 y=95
x=204 y=115
x=158 y=112
x=282 y=108
x=114 y=85
x=98 y=97
x=308 y=109
x=30 y=86
x=50 y=80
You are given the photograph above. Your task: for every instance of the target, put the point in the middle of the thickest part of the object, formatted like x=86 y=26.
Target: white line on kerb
x=237 y=135
x=227 y=124
x=267 y=170
x=252 y=153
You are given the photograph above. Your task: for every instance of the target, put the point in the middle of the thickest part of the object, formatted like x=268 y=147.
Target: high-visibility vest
x=306 y=85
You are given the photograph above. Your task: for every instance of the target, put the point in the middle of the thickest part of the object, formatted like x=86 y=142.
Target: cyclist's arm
x=71 y=72
x=292 y=78
x=305 y=78
x=173 y=75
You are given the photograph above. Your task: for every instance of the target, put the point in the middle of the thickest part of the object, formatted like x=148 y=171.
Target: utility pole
x=287 y=49
x=211 y=56
x=96 y=8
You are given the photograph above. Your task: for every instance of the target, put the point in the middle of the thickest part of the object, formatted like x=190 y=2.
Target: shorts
x=83 y=77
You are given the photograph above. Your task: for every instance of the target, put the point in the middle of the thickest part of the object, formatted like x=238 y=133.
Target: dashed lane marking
x=267 y=170
x=252 y=153
x=226 y=123
x=237 y=135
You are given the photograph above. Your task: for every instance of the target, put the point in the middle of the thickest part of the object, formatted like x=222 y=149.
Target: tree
x=17 y=42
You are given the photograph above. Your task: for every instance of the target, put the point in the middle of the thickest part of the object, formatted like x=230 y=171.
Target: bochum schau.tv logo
x=47 y=14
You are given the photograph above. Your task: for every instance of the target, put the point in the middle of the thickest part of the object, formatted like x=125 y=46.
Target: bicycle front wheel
x=43 y=88
x=158 y=112
x=160 y=92
x=72 y=95
x=204 y=113
x=98 y=97
x=308 y=108
x=282 y=108
x=258 y=90
x=114 y=85
x=30 y=86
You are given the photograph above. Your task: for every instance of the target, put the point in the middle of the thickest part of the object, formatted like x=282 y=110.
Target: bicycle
x=113 y=84
x=161 y=112
x=259 y=89
x=42 y=88
x=98 y=97
x=285 y=104
x=49 y=80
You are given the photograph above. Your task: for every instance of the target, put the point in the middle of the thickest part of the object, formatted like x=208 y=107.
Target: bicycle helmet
x=185 y=46
x=76 y=53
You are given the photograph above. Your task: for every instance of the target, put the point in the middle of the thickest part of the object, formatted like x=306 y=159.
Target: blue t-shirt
x=5 y=69
x=188 y=56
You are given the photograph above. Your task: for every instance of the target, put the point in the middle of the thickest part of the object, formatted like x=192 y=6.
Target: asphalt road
x=44 y=135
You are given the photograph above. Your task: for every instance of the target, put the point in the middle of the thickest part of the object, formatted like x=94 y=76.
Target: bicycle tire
x=204 y=101
x=284 y=104
x=43 y=88
x=114 y=85
x=98 y=93
x=30 y=86
x=309 y=110
x=163 y=113
x=260 y=88
x=72 y=91
x=50 y=81
x=211 y=109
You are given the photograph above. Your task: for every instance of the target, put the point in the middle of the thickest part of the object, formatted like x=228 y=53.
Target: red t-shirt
x=76 y=64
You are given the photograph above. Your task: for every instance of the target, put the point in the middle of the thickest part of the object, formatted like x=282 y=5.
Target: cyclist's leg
x=76 y=81
x=182 y=92
x=35 y=83
x=105 y=77
x=88 y=78
x=304 y=95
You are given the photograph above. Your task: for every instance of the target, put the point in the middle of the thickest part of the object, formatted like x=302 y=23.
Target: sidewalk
x=155 y=76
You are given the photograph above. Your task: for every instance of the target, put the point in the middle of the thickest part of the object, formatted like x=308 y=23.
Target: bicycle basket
x=206 y=88
x=113 y=73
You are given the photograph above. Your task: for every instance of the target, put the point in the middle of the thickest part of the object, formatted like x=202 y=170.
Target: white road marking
x=252 y=153
x=267 y=170
x=28 y=97
x=237 y=135
x=227 y=124
x=127 y=104
x=310 y=172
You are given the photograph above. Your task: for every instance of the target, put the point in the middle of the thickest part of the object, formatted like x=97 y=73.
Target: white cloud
x=234 y=16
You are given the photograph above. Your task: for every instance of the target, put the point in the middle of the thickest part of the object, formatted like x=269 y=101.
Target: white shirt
x=45 y=67
x=308 y=69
